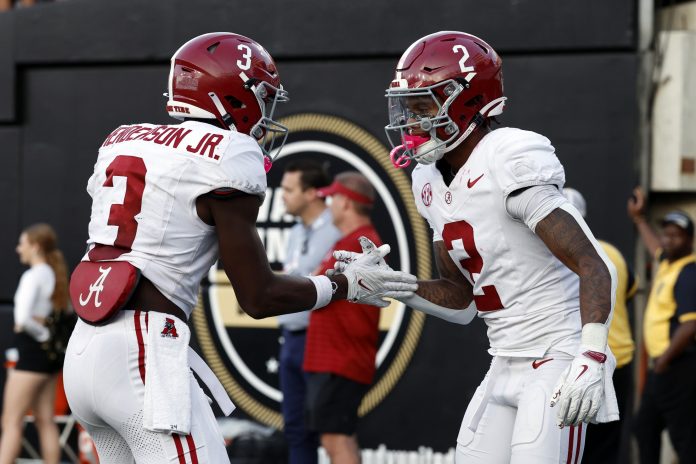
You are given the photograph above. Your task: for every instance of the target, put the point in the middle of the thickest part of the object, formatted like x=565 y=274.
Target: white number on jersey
x=459 y=240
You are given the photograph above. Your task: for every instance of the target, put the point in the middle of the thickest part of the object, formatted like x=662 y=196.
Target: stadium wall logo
x=242 y=351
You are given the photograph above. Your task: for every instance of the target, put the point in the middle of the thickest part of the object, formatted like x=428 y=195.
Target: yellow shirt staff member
x=620 y=338
x=669 y=396
x=672 y=302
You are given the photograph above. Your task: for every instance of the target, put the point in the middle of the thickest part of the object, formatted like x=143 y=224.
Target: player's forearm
x=442 y=292
x=461 y=316
x=284 y=294
x=567 y=236
x=595 y=292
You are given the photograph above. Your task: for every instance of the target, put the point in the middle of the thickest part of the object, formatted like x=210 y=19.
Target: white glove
x=370 y=280
x=579 y=392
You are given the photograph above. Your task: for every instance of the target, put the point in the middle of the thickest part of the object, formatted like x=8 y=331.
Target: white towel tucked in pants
x=167 y=407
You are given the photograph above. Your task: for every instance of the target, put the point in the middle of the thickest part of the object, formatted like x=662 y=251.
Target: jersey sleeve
x=241 y=168
x=524 y=159
x=684 y=294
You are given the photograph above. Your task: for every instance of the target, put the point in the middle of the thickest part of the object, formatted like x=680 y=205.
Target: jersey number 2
x=462 y=231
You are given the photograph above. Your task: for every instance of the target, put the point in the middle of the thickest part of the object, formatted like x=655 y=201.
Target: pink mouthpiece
x=267 y=163
x=398 y=157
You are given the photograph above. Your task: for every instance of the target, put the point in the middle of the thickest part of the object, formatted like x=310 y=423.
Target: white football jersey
x=528 y=298
x=144 y=189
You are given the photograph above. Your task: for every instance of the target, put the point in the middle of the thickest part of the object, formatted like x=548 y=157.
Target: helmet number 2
x=462 y=62
x=246 y=57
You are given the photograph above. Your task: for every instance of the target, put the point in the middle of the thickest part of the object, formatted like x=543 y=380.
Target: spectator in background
x=310 y=240
x=604 y=442
x=32 y=383
x=669 y=326
x=342 y=337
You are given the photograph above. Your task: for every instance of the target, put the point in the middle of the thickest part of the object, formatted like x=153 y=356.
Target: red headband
x=339 y=188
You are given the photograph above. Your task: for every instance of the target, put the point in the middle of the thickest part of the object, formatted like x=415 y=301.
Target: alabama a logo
x=169 y=329
x=96 y=288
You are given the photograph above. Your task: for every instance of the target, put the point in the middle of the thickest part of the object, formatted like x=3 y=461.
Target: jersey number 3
x=123 y=215
x=461 y=231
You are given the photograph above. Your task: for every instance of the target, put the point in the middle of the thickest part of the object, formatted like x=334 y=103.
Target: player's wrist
x=324 y=288
x=594 y=339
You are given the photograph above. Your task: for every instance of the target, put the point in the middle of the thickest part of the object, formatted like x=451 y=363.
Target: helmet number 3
x=462 y=62
x=245 y=62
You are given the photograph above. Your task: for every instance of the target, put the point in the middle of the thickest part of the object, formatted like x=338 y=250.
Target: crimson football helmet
x=459 y=77
x=230 y=78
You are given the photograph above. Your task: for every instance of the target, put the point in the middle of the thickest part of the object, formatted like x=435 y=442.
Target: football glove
x=579 y=392
x=370 y=279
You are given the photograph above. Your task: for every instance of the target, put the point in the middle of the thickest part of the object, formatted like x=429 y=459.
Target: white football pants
x=509 y=419
x=103 y=375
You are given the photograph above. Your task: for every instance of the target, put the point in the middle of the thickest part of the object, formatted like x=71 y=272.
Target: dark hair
x=313 y=174
x=44 y=236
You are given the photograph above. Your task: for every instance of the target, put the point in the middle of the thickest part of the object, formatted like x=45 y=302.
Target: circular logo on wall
x=244 y=352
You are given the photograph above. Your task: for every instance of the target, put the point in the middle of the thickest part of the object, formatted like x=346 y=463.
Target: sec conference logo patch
x=243 y=352
x=427 y=194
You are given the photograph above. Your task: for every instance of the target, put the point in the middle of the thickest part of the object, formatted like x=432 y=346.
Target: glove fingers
x=395 y=276
x=400 y=286
x=398 y=295
x=366 y=244
x=563 y=404
x=345 y=256
x=556 y=396
x=339 y=266
x=596 y=404
x=573 y=409
x=583 y=411
x=383 y=250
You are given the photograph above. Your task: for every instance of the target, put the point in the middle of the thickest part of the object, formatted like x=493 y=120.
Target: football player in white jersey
x=510 y=248
x=166 y=199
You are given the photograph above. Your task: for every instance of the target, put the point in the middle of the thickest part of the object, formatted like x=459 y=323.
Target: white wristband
x=324 y=289
x=594 y=336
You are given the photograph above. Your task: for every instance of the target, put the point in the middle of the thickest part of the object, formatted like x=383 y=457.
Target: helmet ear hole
x=234 y=103
x=477 y=100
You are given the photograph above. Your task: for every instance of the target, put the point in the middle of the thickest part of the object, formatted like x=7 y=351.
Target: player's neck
x=459 y=156
x=454 y=160
x=312 y=212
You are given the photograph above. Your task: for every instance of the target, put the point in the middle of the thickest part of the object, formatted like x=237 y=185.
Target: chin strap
x=226 y=118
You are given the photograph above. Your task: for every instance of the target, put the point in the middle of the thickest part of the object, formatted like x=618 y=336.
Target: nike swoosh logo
x=470 y=183
x=584 y=369
x=539 y=362
x=360 y=282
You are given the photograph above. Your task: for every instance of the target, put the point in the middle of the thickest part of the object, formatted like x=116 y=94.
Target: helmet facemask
x=405 y=123
x=270 y=134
